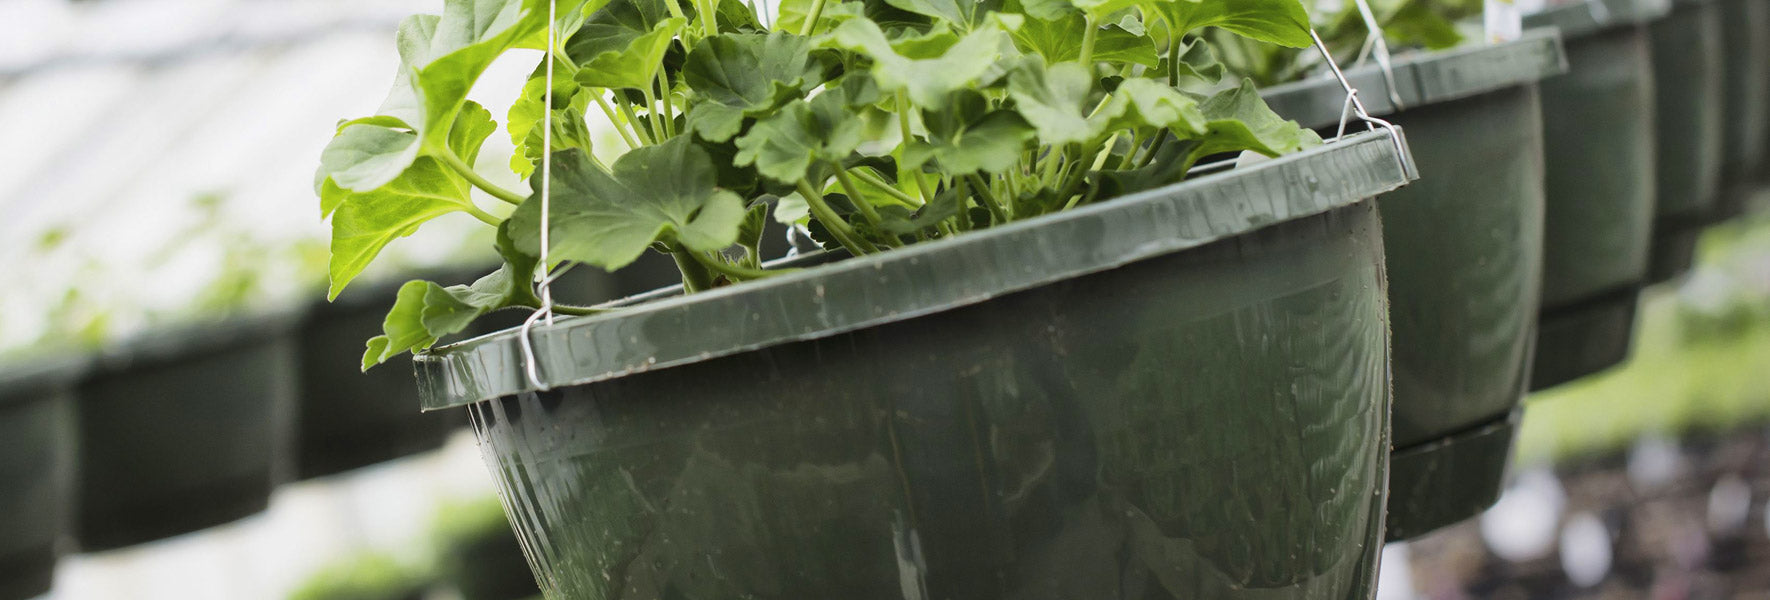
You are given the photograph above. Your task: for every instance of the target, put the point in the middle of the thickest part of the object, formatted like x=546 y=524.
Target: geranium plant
x=872 y=124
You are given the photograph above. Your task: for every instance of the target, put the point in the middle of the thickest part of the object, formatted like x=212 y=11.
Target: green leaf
x=1419 y=23
x=634 y=65
x=440 y=59
x=365 y=157
x=1056 y=41
x=425 y=312
x=472 y=126
x=992 y=143
x=792 y=209
x=1238 y=119
x=927 y=68
x=784 y=146
x=655 y=193
x=569 y=104
x=365 y=222
x=1146 y=103
x=1198 y=67
x=1055 y=100
x=1282 y=22
x=747 y=75
x=1100 y=9
x=965 y=14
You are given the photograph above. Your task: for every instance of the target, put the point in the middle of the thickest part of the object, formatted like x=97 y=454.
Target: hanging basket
x=1180 y=393
x=1598 y=134
x=1465 y=242
x=1688 y=66
x=182 y=430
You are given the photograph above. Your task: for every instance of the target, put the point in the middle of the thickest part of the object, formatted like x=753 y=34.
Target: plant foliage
x=872 y=123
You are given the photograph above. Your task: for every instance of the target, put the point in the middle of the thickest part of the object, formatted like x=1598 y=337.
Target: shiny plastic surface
x=1423 y=79
x=1465 y=262
x=1585 y=339
x=1598 y=139
x=1746 y=84
x=179 y=432
x=36 y=473
x=1449 y=480
x=1464 y=242
x=917 y=279
x=1209 y=423
x=1688 y=66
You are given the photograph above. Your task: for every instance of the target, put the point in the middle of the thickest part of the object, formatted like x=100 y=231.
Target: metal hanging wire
x=1353 y=107
x=546 y=287
x=1377 y=47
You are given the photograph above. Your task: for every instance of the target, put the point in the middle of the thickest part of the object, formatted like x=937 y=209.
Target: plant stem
x=860 y=202
x=1090 y=30
x=664 y=95
x=633 y=121
x=695 y=277
x=578 y=311
x=1161 y=139
x=483 y=216
x=710 y=18
x=988 y=198
x=890 y=190
x=735 y=271
x=651 y=110
x=833 y=222
x=1173 y=58
x=454 y=162
x=817 y=11
x=1125 y=161
x=903 y=125
x=675 y=9
x=626 y=135
x=1052 y=158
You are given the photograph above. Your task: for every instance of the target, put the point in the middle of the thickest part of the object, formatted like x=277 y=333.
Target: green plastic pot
x=1598 y=138
x=1746 y=108
x=181 y=430
x=1449 y=479
x=1689 y=106
x=36 y=472
x=1175 y=394
x=1465 y=242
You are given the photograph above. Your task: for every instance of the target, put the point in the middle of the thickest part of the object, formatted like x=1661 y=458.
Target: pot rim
x=169 y=344
x=1425 y=78
x=918 y=279
x=1580 y=19
x=41 y=378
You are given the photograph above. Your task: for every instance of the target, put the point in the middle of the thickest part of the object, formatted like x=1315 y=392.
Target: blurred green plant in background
x=1701 y=362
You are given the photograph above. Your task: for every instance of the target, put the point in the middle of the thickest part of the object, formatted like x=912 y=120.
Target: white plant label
x=1504 y=21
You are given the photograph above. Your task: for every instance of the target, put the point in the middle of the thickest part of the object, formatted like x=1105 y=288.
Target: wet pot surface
x=1465 y=261
x=183 y=441
x=1210 y=423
